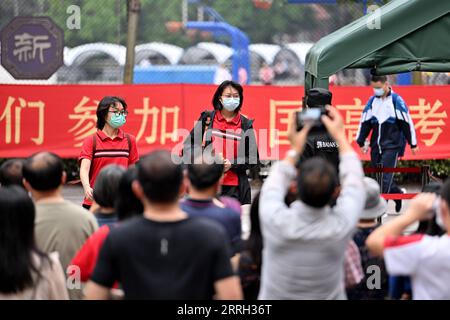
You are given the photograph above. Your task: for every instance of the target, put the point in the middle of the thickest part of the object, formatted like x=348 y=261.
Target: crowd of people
x=154 y=228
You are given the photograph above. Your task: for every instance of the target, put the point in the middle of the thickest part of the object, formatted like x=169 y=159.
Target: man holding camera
x=319 y=142
x=387 y=117
x=305 y=243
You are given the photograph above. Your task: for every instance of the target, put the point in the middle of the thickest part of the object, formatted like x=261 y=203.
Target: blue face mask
x=117 y=120
x=231 y=104
x=379 y=92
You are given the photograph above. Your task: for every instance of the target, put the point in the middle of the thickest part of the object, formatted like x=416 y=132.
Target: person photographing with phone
x=305 y=242
x=425 y=258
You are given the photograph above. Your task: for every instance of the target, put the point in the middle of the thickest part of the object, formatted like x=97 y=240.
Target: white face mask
x=230 y=104
x=379 y=92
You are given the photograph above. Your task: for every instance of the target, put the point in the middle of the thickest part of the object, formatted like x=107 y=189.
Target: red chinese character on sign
x=281 y=113
x=7 y=116
x=352 y=116
x=154 y=113
x=429 y=121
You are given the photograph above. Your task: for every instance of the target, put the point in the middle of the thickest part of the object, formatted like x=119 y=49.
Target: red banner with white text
x=58 y=117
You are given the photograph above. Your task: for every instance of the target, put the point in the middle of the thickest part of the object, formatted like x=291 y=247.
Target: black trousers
x=389 y=160
x=230 y=191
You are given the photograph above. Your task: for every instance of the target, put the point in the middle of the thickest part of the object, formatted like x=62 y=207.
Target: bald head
x=43 y=171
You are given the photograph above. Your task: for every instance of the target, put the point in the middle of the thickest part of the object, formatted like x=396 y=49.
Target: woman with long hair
x=25 y=272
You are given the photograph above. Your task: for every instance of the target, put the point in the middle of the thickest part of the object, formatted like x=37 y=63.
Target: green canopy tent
x=413 y=35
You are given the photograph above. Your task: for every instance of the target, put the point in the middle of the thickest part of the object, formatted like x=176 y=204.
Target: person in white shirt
x=426 y=259
x=305 y=243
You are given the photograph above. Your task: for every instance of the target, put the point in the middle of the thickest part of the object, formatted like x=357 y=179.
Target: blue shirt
x=228 y=218
x=106 y=218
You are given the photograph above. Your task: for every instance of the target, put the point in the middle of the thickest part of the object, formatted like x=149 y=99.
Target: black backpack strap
x=94 y=145
x=129 y=142
x=207 y=118
x=94 y=149
x=246 y=123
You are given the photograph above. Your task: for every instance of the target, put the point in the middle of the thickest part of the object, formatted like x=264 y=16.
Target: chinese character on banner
x=352 y=115
x=428 y=121
x=26 y=46
x=85 y=114
x=281 y=113
x=15 y=118
x=154 y=113
x=32 y=47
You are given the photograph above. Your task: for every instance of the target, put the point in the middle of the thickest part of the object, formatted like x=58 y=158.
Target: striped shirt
x=226 y=136
x=108 y=151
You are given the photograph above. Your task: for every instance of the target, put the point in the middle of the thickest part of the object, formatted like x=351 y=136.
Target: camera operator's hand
x=298 y=138
x=335 y=127
x=420 y=208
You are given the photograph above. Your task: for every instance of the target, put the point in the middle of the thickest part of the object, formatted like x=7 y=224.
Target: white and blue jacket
x=391 y=123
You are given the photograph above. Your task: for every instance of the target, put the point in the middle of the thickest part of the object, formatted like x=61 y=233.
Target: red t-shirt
x=86 y=257
x=226 y=136
x=108 y=151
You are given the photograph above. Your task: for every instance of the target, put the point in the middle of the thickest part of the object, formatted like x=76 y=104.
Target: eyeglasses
x=118 y=113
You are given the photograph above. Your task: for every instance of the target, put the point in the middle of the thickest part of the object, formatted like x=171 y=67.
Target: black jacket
x=323 y=146
x=248 y=157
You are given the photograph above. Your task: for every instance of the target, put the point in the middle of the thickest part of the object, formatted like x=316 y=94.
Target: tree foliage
x=106 y=20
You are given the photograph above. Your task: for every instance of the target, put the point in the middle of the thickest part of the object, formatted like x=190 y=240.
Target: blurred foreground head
x=127 y=204
x=106 y=186
x=43 y=172
x=206 y=172
x=317 y=182
x=11 y=173
x=160 y=178
x=375 y=205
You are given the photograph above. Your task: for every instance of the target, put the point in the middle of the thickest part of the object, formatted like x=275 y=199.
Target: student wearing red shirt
x=227 y=132
x=109 y=145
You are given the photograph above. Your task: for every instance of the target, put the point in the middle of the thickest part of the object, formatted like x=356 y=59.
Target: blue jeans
x=388 y=158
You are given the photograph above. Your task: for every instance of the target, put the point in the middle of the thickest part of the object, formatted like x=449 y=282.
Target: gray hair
x=106 y=185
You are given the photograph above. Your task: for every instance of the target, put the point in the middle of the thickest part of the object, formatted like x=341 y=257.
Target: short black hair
x=103 y=107
x=381 y=79
x=106 y=186
x=43 y=171
x=160 y=177
x=227 y=83
x=316 y=182
x=127 y=204
x=205 y=172
x=11 y=172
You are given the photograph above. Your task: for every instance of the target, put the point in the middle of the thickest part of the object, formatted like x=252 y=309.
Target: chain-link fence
x=280 y=35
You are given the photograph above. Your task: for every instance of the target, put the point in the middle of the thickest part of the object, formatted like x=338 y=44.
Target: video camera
x=314 y=107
